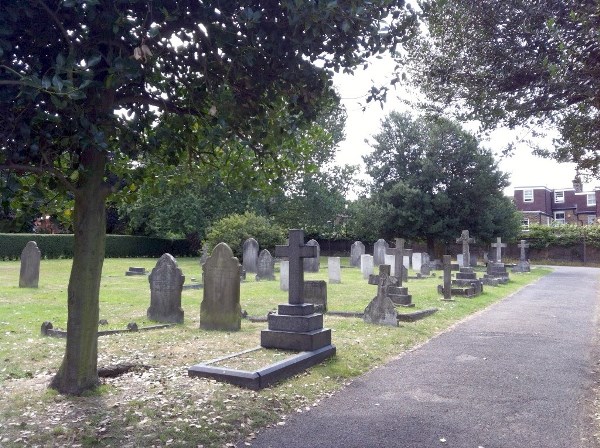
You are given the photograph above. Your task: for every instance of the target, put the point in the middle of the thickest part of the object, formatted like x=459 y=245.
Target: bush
x=235 y=229
x=541 y=237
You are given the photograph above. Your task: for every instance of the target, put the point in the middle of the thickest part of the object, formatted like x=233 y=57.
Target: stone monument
x=381 y=310
x=334 y=269
x=366 y=265
x=250 y=255
x=29 y=275
x=523 y=264
x=265 y=268
x=166 y=283
x=313 y=264
x=379 y=250
x=356 y=250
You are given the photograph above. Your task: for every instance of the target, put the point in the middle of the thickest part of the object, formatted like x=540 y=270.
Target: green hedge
x=541 y=237
x=117 y=246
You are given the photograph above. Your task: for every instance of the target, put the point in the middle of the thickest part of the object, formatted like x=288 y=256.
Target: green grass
x=161 y=405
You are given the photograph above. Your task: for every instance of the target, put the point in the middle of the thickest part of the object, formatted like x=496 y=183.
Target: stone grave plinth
x=523 y=264
x=497 y=271
x=394 y=290
x=381 y=310
x=466 y=283
x=135 y=271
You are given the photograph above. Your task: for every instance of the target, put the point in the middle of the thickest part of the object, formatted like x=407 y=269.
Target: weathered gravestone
x=220 y=308
x=466 y=254
x=265 y=268
x=366 y=265
x=166 y=282
x=381 y=310
x=460 y=260
x=496 y=269
x=446 y=288
x=407 y=259
x=284 y=275
x=356 y=250
x=390 y=260
x=135 y=270
x=204 y=254
x=315 y=292
x=313 y=264
x=425 y=264
x=397 y=293
x=399 y=272
x=498 y=245
x=379 y=250
x=417 y=261
x=250 y=255
x=334 y=269
x=29 y=276
x=523 y=264
x=466 y=283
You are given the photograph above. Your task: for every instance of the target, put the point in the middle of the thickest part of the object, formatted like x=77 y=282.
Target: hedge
x=117 y=246
x=540 y=237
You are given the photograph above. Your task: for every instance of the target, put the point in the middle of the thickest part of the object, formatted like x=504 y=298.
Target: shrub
x=235 y=229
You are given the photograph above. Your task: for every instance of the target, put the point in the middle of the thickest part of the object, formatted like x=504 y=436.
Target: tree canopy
x=517 y=62
x=98 y=95
x=431 y=179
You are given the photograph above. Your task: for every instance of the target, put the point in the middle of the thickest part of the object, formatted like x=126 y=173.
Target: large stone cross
x=465 y=240
x=295 y=251
x=398 y=253
x=523 y=245
x=498 y=245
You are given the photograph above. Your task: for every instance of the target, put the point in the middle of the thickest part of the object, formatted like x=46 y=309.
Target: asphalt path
x=516 y=375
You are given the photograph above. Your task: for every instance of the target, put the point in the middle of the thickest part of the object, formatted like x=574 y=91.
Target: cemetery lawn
x=157 y=404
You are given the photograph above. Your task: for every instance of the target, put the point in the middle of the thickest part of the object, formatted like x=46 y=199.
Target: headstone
x=366 y=265
x=265 y=268
x=523 y=244
x=284 y=275
x=460 y=259
x=379 y=251
x=408 y=258
x=250 y=255
x=296 y=326
x=315 y=292
x=381 y=310
x=498 y=245
x=447 y=288
x=220 y=308
x=204 y=254
x=29 y=276
x=334 y=269
x=397 y=293
x=390 y=260
x=313 y=264
x=356 y=250
x=406 y=261
x=425 y=264
x=473 y=261
x=398 y=254
x=417 y=261
x=465 y=240
x=523 y=264
x=166 y=283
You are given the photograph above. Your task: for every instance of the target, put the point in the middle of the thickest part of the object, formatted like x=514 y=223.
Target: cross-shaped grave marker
x=498 y=245
x=523 y=245
x=465 y=240
x=295 y=251
x=398 y=253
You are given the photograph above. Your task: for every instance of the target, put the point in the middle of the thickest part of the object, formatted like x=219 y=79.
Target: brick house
x=541 y=205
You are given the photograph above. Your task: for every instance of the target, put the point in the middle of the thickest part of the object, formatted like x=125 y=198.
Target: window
x=591 y=219
x=559 y=196
x=559 y=217
x=525 y=223
x=527 y=195
x=591 y=199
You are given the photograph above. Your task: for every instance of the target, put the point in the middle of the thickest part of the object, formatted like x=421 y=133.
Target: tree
x=97 y=95
x=431 y=179
x=517 y=62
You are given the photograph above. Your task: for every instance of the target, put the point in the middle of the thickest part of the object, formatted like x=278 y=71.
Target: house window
x=525 y=223
x=559 y=196
x=591 y=199
x=591 y=219
x=559 y=217
x=527 y=195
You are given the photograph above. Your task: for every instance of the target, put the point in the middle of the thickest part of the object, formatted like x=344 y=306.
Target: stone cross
x=295 y=251
x=384 y=270
x=523 y=245
x=465 y=240
x=398 y=253
x=447 y=290
x=498 y=245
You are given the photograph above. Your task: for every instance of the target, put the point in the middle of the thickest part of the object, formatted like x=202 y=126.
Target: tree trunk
x=79 y=369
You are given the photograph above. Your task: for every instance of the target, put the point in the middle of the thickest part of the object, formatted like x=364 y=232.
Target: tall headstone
x=315 y=292
x=334 y=269
x=366 y=265
x=313 y=264
x=265 y=268
x=407 y=260
x=284 y=275
x=250 y=255
x=390 y=260
x=523 y=264
x=356 y=250
x=460 y=260
x=379 y=251
x=465 y=239
x=398 y=254
x=29 y=276
x=381 y=310
x=425 y=264
x=498 y=245
x=417 y=261
x=447 y=288
x=166 y=283
x=220 y=308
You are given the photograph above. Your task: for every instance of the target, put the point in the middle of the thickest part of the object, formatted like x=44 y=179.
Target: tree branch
x=41 y=171
x=57 y=22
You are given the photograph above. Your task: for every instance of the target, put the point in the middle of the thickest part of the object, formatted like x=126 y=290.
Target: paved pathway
x=517 y=375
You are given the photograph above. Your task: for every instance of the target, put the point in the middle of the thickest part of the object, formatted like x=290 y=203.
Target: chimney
x=577 y=184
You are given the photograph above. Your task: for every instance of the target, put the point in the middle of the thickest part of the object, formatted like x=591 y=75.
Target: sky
x=524 y=168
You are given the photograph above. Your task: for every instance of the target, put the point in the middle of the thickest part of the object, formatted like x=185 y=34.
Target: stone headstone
x=284 y=275
x=460 y=260
x=134 y=270
x=356 y=250
x=473 y=261
x=220 y=308
x=379 y=251
x=407 y=260
x=166 y=283
x=498 y=245
x=417 y=261
x=447 y=288
x=29 y=275
x=425 y=264
x=523 y=244
x=334 y=269
x=381 y=310
x=465 y=239
x=366 y=265
x=523 y=264
x=315 y=292
x=390 y=260
x=312 y=264
x=265 y=268
x=398 y=254
x=204 y=254
x=250 y=255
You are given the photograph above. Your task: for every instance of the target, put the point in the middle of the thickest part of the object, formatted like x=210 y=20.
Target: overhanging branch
x=40 y=171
